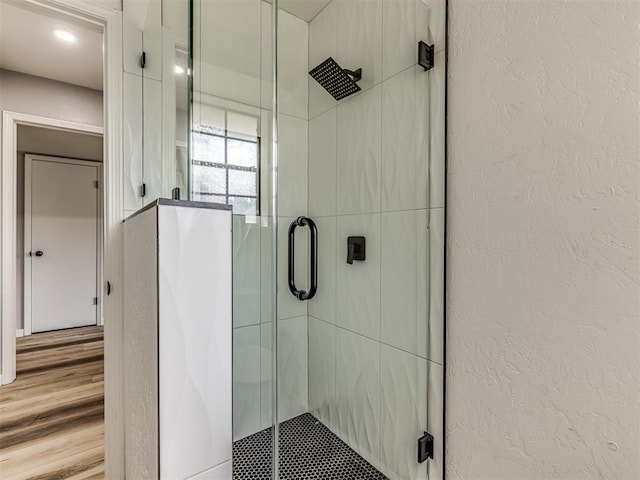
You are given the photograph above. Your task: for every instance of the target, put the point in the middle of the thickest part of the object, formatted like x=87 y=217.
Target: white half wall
x=543 y=358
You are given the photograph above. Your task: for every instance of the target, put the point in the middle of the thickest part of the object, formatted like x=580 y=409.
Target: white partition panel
x=178 y=335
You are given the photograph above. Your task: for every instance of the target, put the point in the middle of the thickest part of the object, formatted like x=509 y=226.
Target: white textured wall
x=543 y=378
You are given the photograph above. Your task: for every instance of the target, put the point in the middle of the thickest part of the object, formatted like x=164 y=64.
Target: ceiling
x=28 y=45
x=304 y=9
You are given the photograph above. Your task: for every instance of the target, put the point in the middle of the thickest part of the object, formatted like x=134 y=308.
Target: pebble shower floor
x=308 y=451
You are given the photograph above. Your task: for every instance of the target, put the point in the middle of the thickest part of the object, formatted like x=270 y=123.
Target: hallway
x=52 y=416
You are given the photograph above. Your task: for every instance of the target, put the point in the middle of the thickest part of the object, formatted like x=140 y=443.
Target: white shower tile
x=323 y=305
x=422 y=136
x=403 y=412
x=266 y=375
x=175 y=17
x=128 y=213
x=437 y=10
x=436 y=124
x=422 y=24
x=399 y=161
x=219 y=472
x=266 y=269
x=152 y=41
x=322 y=369
x=288 y=305
x=132 y=141
x=292 y=165
x=132 y=25
x=360 y=39
x=323 y=35
x=435 y=421
x=152 y=141
x=436 y=285
x=246 y=381
x=292 y=67
x=323 y=38
x=230 y=49
x=398 y=276
x=266 y=57
x=422 y=283
x=293 y=368
x=246 y=272
x=358 y=392
x=359 y=153
x=322 y=164
x=358 y=285
x=399 y=44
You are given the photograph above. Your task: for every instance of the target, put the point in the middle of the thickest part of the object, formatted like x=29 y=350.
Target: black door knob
x=39 y=253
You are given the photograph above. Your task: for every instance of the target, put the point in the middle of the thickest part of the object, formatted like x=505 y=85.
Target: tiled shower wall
x=376 y=169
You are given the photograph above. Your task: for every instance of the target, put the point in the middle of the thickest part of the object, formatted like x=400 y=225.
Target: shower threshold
x=308 y=450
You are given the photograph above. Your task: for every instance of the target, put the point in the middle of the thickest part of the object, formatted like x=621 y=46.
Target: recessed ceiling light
x=65 y=36
x=179 y=70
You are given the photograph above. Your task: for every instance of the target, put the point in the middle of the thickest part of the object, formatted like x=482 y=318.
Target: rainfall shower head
x=340 y=83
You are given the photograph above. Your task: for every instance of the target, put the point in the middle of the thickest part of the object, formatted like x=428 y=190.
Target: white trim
x=26 y=280
x=52 y=123
x=28 y=167
x=111 y=22
x=8 y=240
x=19 y=333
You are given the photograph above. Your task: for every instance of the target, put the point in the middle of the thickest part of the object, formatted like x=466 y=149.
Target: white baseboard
x=20 y=332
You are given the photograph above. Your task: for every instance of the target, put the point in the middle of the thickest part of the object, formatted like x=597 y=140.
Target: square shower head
x=338 y=82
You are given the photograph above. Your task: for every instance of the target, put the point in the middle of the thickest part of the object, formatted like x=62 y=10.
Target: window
x=225 y=162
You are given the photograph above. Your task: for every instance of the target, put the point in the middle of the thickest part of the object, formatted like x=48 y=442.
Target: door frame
x=110 y=20
x=28 y=159
x=8 y=224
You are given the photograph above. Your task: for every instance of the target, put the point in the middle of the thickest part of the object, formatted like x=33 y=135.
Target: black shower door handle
x=301 y=294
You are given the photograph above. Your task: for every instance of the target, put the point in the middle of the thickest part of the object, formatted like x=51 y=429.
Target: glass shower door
x=330 y=184
x=353 y=156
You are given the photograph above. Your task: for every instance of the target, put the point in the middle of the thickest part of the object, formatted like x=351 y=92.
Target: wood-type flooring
x=52 y=416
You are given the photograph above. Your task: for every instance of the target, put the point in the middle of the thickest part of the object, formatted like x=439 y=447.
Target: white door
x=61 y=243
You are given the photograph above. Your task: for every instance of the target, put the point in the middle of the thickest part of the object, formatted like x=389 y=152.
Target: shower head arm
x=357 y=75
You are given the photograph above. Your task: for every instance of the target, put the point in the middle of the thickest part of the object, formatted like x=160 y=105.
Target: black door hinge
x=143 y=190
x=425 y=56
x=143 y=59
x=95 y=300
x=425 y=447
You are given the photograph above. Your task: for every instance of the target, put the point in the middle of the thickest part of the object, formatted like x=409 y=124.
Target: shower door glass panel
x=353 y=155
x=231 y=144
